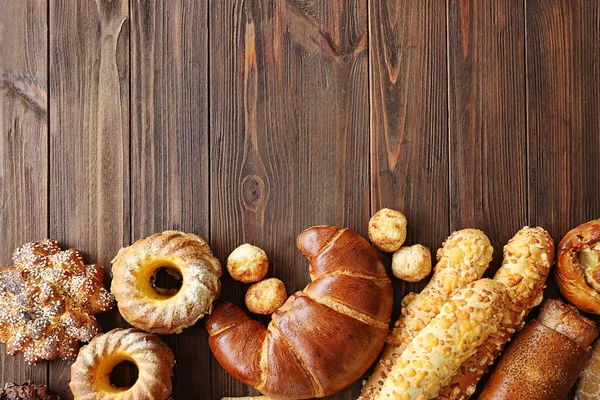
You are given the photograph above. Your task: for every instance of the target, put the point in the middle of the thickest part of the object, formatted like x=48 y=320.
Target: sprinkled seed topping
x=48 y=300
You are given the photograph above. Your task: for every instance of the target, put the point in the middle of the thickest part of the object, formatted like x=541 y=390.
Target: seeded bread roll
x=463 y=258
x=528 y=257
x=434 y=356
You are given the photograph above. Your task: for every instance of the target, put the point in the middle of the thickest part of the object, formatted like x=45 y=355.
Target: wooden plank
x=170 y=148
x=409 y=124
x=487 y=131
x=563 y=109
x=23 y=145
x=89 y=137
x=289 y=133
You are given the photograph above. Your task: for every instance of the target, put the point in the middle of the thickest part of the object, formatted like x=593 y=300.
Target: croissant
x=323 y=338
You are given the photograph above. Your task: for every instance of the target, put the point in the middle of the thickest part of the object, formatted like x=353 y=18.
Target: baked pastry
x=435 y=354
x=324 y=337
x=26 y=391
x=266 y=296
x=411 y=263
x=577 y=271
x=544 y=360
x=247 y=263
x=528 y=257
x=157 y=310
x=90 y=374
x=387 y=229
x=588 y=387
x=49 y=298
x=463 y=259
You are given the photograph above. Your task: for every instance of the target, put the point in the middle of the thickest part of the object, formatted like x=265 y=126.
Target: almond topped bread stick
x=463 y=259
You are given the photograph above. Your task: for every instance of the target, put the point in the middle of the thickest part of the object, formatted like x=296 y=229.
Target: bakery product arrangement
x=49 y=299
x=151 y=308
x=577 y=271
x=90 y=374
x=324 y=337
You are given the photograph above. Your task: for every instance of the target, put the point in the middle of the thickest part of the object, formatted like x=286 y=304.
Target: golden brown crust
x=588 y=387
x=323 y=338
x=570 y=274
x=462 y=259
x=526 y=264
x=540 y=364
x=90 y=374
x=435 y=354
x=49 y=298
x=565 y=319
x=412 y=263
x=266 y=296
x=387 y=229
x=147 y=308
x=248 y=263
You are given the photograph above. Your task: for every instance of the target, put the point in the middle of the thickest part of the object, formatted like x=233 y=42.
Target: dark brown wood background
x=248 y=121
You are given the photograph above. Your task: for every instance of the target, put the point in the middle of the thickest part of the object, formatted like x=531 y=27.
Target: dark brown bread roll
x=323 y=338
x=543 y=362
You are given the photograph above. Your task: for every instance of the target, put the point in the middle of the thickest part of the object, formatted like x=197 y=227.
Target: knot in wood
x=253 y=192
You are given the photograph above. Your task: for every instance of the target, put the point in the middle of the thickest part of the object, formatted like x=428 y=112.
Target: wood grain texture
x=289 y=133
x=563 y=108
x=409 y=124
x=23 y=145
x=89 y=137
x=487 y=131
x=170 y=148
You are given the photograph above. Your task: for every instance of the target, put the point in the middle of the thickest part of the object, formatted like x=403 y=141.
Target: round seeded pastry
x=165 y=311
x=247 y=263
x=266 y=296
x=387 y=229
x=90 y=374
x=412 y=263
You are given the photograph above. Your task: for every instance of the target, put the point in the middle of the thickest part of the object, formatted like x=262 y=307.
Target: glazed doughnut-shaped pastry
x=90 y=374
x=159 y=310
x=577 y=271
x=323 y=338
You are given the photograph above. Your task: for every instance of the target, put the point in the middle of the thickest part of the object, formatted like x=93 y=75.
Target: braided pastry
x=463 y=258
x=48 y=301
x=323 y=338
x=90 y=374
x=158 y=310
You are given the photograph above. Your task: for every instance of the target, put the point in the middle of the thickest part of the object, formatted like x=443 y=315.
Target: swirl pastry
x=577 y=271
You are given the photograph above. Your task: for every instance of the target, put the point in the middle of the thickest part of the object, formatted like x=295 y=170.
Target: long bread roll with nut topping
x=435 y=354
x=528 y=257
x=463 y=259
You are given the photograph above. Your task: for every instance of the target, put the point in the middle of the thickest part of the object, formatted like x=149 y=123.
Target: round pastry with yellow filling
x=147 y=306
x=90 y=374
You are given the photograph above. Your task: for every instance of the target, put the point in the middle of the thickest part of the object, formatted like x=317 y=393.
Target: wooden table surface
x=248 y=121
